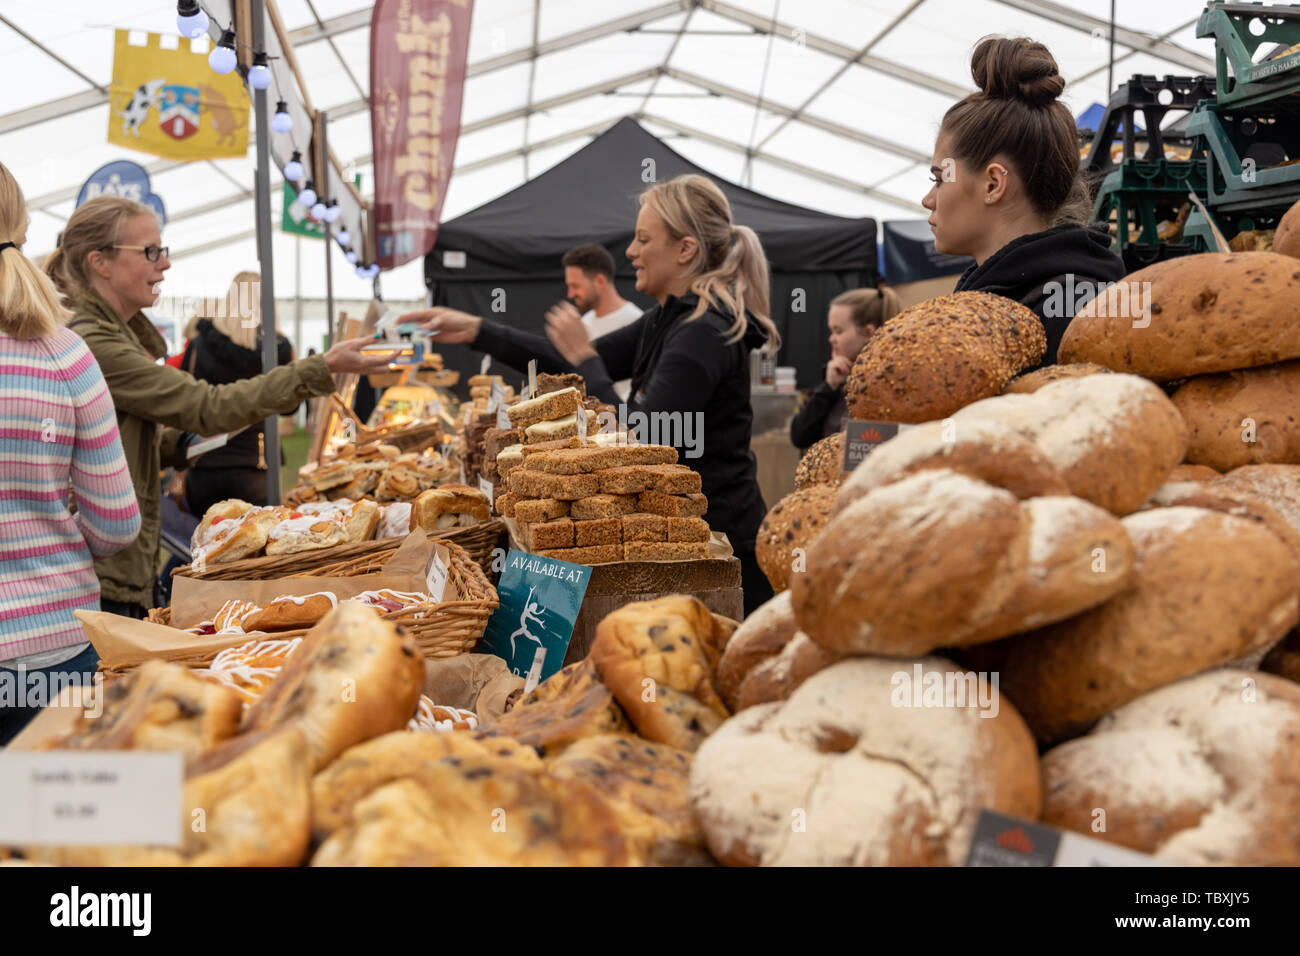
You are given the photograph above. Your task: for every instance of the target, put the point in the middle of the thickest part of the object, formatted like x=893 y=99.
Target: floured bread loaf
x=915 y=582
x=1206 y=589
x=1230 y=501
x=1203 y=771
x=355 y=676
x=1115 y=438
x=941 y=354
x=1278 y=485
x=760 y=637
x=854 y=770
x=1245 y=417
x=1207 y=313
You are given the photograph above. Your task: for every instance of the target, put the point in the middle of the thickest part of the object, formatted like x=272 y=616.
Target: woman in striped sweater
x=58 y=429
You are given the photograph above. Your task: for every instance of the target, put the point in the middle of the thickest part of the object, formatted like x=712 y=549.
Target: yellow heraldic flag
x=170 y=102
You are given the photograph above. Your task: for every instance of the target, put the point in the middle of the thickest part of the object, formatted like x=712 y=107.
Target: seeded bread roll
x=822 y=464
x=791 y=525
x=941 y=354
x=917 y=582
x=1206 y=589
x=1031 y=382
x=861 y=773
x=1244 y=417
x=1213 y=312
x=1115 y=438
x=1203 y=771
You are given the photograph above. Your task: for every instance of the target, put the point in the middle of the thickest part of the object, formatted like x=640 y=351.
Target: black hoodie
x=1048 y=271
x=676 y=366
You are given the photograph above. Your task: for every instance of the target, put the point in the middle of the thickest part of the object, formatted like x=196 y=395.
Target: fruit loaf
x=941 y=354
x=1115 y=438
x=1202 y=772
x=1206 y=589
x=873 y=777
x=1213 y=312
x=919 y=581
x=788 y=529
x=1246 y=417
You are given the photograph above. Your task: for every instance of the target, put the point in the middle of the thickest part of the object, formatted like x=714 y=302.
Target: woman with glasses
x=109 y=263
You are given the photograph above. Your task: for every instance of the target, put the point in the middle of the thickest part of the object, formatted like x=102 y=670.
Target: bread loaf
x=1203 y=771
x=1207 y=313
x=782 y=674
x=1206 y=589
x=1031 y=382
x=1186 y=472
x=1245 y=417
x=1286 y=239
x=1229 y=501
x=1115 y=438
x=951 y=561
x=791 y=525
x=1277 y=485
x=854 y=770
x=822 y=464
x=941 y=354
x=760 y=637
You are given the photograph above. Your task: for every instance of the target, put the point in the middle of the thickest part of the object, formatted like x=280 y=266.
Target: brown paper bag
x=478 y=682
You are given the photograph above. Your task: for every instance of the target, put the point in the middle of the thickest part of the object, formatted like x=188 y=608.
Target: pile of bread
x=294 y=612
x=233 y=529
x=377 y=470
x=1052 y=568
x=480 y=390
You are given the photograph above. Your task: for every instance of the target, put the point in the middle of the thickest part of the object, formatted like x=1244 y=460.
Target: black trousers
x=204 y=487
x=754 y=582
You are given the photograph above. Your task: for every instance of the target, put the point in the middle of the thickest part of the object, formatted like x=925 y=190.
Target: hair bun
x=1016 y=68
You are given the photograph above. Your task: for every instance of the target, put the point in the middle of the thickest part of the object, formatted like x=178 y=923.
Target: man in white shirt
x=589 y=279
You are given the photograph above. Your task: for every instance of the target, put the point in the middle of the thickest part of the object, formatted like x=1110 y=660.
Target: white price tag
x=503 y=419
x=90 y=798
x=497 y=396
x=483 y=365
x=532 y=378
x=435 y=578
x=535 y=672
x=580 y=420
x=485 y=486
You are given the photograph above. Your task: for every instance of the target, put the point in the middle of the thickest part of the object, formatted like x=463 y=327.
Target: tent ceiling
x=831 y=104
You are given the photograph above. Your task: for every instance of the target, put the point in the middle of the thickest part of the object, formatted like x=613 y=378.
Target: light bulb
x=344 y=236
x=373 y=270
x=350 y=256
x=318 y=211
x=282 y=122
x=333 y=211
x=293 y=168
x=222 y=58
x=259 y=74
x=191 y=21
x=363 y=272
x=308 y=195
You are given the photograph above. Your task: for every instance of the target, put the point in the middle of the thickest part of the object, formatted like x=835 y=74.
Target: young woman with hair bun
x=1007 y=189
x=689 y=355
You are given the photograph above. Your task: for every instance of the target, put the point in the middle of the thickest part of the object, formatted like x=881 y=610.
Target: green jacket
x=155 y=404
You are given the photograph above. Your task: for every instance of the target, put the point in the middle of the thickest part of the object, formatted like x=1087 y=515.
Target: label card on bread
x=532 y=378
x=88 y=798
x=531 y=628
x=1001 y=840
x=861 y=438
x=503 y=418
x=487 y=488
x=580 y=422
x=435 y=577
x=484 y=364
x=496 y=397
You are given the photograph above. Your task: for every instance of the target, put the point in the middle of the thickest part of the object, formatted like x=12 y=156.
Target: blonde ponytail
x=29 y=303
x=731 y=269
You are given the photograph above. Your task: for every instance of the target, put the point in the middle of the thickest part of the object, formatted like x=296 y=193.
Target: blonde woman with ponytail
x=109 y=263
x=58 y=431
x=687 y=358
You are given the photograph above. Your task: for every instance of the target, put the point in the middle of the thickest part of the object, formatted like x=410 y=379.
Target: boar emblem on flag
x=178 y=115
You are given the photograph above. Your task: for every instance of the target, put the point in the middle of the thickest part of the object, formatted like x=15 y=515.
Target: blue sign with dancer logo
x=531 y=628
x=123 y=178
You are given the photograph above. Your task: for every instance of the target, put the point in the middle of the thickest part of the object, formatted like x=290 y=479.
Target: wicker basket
x=441 y=629
x=478 y=541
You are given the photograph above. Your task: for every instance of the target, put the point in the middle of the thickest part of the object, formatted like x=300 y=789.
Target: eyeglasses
x=151 y=252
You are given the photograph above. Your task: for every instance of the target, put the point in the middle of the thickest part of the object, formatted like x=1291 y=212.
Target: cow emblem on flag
x=179 y=113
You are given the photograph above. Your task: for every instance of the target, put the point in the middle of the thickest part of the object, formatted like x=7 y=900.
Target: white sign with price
x=88 y=798
x=485 y=486
x=435 y=578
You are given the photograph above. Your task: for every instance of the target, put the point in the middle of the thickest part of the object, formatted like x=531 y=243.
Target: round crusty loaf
x=760 y=636
x=1286 y=240
x=1229 y=501
x=949 y=561
x=792 y=524
x=822 y=464
x=1220 y=410
x=852 y=770
x=1115 y=438
x=1213 y=312
x=1278 y=485
x=938 y=355
x=1031 y=382
x=1207 y=589
x=986 y=450
x=1204 y=771
x=778 y=677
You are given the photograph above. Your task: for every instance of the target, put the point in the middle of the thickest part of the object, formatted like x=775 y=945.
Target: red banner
x=418 y=50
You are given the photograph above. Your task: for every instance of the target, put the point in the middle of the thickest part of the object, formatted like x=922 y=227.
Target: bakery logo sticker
x=861 y=437
x=76 y=909
x=1119 y=300
x=1001 y=840
x=531 y=628
x=921 y=688
x=682 y=430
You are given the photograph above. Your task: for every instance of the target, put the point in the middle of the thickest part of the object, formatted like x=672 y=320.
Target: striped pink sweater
x=56 y=422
